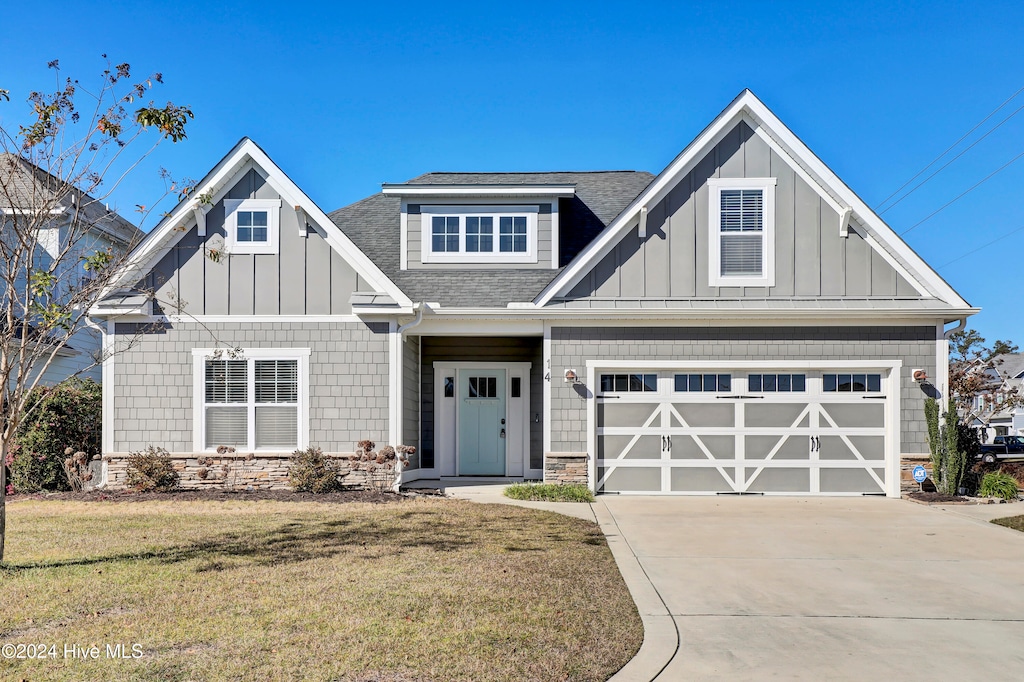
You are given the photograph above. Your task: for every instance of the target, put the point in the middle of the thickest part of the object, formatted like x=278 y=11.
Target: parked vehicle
x=1002 y=447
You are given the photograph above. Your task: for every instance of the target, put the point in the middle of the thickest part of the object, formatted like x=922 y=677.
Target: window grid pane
x=226 y=381
x=697 y=383
x=277 y=381
x=852 y=383
x=445 y=234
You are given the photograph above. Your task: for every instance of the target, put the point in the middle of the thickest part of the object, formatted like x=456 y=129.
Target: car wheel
x=988 y=459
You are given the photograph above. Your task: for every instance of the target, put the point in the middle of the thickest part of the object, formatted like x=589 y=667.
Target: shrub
x=68 y=420
x=151 y=469
x=550 y=492
x=312 y=471
x=999 y=484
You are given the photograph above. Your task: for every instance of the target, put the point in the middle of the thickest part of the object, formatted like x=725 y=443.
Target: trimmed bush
x=999 y=484
x=312 y=471
x=550 y=492
x=68 y=420
x=151 y=469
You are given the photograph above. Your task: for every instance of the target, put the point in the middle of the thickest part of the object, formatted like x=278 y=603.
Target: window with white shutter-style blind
x=253 y=403
x=741 y=225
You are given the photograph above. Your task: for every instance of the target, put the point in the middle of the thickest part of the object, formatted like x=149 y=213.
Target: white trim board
x=747 y=107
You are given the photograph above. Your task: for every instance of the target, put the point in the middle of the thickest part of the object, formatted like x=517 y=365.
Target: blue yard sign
x=920 y=474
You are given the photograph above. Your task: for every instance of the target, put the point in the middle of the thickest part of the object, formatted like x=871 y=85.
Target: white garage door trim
x=890 y=388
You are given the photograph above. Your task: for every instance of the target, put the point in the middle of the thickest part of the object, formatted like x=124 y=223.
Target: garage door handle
x=738 y=397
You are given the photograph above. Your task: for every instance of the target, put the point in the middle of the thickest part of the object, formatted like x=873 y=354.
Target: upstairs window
x=252 y=225
x=479 y=234
x=741 y=232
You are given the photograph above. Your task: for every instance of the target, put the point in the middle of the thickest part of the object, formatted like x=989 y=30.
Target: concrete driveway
x=819 y=589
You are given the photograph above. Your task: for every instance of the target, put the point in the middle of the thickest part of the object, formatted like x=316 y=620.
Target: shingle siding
x=574 y=346
x=348 y=380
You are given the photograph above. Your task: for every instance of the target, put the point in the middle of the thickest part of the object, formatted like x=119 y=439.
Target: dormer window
x=741 y=232
x=252 y=225
x=479 y=234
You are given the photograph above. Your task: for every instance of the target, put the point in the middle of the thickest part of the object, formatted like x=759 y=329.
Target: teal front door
x=482 y=427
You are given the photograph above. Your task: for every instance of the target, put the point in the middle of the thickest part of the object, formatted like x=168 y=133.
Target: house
x=74 y=221
x=991 y=414
x=741 y=322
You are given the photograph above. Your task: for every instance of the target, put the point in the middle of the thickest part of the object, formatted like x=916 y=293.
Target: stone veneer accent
x=907 y=482
x=236 y=470
x=565 y=467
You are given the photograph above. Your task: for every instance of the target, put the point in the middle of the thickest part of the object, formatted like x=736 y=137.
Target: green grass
x=550 y=492
x=1014 y=522
x=426 y=589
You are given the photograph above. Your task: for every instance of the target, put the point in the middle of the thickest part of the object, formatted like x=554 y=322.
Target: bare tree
x=978 y=388
x=60 y=246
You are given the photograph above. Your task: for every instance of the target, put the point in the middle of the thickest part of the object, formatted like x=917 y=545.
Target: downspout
x=104 y=388
x=419 y=308
x=963 y=323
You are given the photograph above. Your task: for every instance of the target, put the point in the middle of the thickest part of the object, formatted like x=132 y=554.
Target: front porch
x=474 y=406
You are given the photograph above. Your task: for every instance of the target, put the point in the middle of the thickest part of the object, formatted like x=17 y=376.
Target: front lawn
x=424 y=589
x=1014 y=522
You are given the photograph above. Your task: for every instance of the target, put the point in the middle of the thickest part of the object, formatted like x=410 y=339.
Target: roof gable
x=841 y=202
x=189 y=212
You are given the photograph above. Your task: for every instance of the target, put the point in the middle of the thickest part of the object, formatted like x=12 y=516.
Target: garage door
x=700 y=431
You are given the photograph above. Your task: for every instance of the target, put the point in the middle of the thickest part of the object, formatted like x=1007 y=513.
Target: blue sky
x=344 y=97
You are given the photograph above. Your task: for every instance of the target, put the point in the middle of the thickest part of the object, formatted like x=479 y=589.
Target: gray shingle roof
x=26 y=186
x=374 y=224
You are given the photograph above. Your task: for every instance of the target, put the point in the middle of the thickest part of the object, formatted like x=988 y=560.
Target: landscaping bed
x=233 y=587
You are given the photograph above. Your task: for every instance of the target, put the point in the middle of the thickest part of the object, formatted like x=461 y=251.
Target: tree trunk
x=3 y=499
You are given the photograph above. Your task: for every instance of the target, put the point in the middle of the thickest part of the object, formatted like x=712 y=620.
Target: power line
x=983 y=246
x=946 y=165
x=950 y=148
x=962 y=194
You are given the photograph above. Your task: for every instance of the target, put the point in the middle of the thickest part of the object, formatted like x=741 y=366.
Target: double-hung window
x=252 y=225
x=741 y=232
x=479 y=234
x=256 y=401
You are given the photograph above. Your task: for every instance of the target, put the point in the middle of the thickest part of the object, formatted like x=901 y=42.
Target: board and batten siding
x=811 y=258
x=415 y=239
x=153 y=380
x=574 y=346
x=306 y=276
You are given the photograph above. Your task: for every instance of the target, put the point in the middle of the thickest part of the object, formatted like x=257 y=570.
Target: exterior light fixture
x=570 y=375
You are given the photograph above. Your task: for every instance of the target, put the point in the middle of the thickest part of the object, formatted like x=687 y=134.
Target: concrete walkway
x=828 y=588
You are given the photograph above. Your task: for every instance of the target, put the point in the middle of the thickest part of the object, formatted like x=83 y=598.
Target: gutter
x=959 y=327
x=419 y=308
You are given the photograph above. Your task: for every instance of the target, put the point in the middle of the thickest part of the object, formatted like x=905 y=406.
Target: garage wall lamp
x=920 y=376
x=571 y=376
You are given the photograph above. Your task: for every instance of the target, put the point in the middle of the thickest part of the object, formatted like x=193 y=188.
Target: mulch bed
x=938 y=498
x=221 y=495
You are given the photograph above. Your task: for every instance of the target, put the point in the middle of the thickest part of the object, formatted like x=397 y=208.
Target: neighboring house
x=740 y=323
x=992 y=419
x=25 y=188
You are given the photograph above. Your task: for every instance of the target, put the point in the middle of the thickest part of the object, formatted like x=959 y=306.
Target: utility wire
x=962 y=194
x=950 y=148
x=945 y=165
x=983 y=246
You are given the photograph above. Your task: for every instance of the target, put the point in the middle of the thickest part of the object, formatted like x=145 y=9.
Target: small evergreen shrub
x=999 y=484
x=151 y=469
x=68 y=420
x=550 y=492
x=312 y=471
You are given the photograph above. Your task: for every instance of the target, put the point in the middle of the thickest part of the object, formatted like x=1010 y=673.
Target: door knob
x=503 y=433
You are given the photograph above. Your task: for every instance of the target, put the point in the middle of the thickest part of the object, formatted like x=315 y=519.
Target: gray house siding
x=811 y=258
x=306 y=276
x=348 y=380
x=574 y=346
x=478 y=349
x=415 y=239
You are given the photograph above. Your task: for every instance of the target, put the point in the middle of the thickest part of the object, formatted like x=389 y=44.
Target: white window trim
x=273 y=209
x=715 y=187
x=199 y=358
x=427 y=255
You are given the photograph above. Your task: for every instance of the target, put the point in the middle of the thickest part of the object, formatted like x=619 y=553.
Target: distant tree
x=56 y=173
x=1002 y=348
x=976 y=391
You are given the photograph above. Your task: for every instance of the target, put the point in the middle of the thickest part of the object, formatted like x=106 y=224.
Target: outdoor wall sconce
x=920 y=376
x=570 y=375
